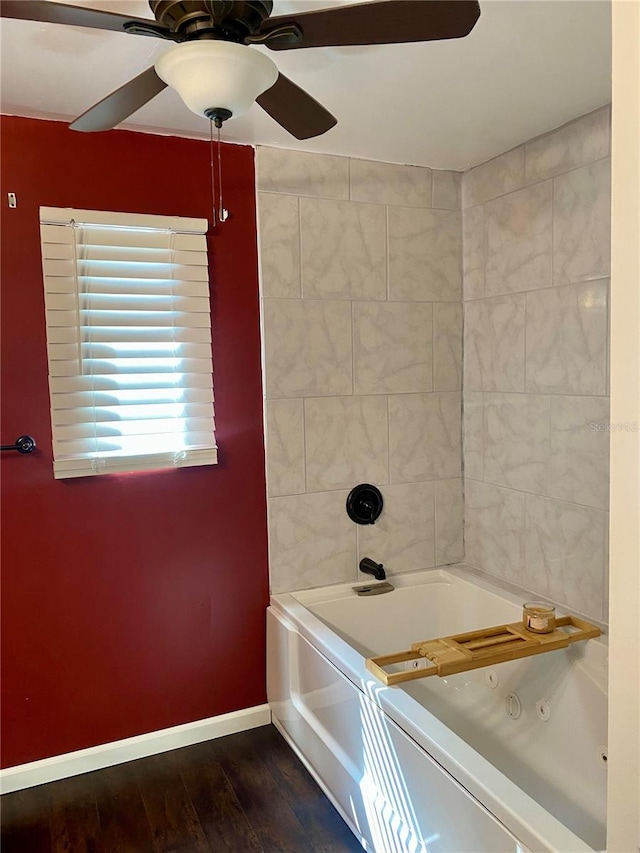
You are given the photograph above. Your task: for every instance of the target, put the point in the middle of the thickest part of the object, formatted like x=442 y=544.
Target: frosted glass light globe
x=216 y=74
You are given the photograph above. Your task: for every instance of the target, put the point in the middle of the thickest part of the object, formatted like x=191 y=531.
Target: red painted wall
x=129 y=602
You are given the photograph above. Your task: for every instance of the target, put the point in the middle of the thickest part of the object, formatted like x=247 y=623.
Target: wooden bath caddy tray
x=460 y=652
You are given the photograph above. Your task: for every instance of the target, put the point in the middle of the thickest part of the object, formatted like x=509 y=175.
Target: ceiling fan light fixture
x=212 y=74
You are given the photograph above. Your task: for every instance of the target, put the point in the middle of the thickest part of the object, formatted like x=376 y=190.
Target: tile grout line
x=389 y=439
x=388 y=252
x=304 y=442
x=353 y=349
x=299 y=207
x=550 y=498
x=433 y=348
x=533 y=183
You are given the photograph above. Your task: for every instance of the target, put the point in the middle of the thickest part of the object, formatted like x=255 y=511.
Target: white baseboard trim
x=117 y=752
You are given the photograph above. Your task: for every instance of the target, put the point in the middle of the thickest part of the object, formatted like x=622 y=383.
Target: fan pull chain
x=213 y=189
x=223 y=214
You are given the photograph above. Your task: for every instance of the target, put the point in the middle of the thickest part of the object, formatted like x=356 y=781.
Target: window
x=129 y=341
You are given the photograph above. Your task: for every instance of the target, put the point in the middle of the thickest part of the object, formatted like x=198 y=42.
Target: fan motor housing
x=231 y=20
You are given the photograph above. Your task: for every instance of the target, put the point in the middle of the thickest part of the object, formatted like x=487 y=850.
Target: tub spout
x=370 y=567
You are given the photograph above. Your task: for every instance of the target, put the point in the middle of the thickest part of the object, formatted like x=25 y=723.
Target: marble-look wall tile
x=389 y=183
x=307 y=348
x=567 y=339
x=447 y=190
x=519 y=233
x=582 y=223
x=279 y=245
x=497 y=177
x=449 y=512
x=495 y=530
x=324 y=238
x=424 y=436
x=565 y=548
x=343 y=249
x=516 y=441
x=346 y=442
x=472 y=434
x=302 y=173
x=535 y=261
x=285 y=447
x=447 y=346
x=494 y=343
x=392 y=347
x=403 y=538
x=312 y=541
x=473 y=252
x=582 y=141
x=579 y=445
x=425 y=255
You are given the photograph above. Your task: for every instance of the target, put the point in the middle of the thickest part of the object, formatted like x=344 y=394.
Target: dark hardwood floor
x=244 y=793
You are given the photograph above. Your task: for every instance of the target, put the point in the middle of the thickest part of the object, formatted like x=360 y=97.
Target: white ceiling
x=527 y=67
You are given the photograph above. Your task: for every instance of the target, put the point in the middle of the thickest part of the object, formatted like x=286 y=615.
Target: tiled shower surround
x=362 y=285
x=366 y=269
x=536 y=224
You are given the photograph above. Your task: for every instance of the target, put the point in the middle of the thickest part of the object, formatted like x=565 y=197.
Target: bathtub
x=509 y=758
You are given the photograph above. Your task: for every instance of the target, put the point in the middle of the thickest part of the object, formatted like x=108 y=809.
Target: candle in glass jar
x=539 y=617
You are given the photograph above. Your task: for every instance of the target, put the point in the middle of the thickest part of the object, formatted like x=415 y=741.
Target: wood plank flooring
x=245 y=793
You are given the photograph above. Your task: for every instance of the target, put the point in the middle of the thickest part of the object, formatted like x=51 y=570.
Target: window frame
x=67 y=265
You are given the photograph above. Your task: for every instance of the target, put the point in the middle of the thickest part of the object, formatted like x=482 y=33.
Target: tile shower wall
x=362 y=284
x=535 y=287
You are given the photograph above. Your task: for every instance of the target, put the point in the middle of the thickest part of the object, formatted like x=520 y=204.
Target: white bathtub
x=438 y=765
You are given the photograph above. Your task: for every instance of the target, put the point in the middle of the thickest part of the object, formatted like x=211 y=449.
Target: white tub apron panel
x=443 y=764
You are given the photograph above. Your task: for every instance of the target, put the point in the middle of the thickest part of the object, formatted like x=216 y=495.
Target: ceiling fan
x=213 y=67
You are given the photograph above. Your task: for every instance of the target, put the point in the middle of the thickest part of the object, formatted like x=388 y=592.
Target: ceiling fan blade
x=385 y=22
x=75 y=16
x=120 y=104
x=295 y=110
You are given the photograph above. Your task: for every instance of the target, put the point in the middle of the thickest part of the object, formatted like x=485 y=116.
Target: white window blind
x=129 y=341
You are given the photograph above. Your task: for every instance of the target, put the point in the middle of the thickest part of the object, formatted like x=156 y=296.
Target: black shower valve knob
x=364 y=504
